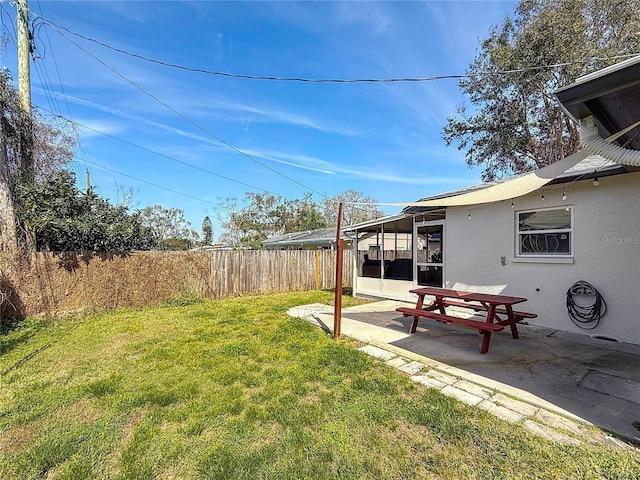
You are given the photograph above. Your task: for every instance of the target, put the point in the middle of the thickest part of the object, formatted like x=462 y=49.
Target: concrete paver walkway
x=558 y=385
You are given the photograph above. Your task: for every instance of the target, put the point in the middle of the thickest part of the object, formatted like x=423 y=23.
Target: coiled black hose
x=585 y=316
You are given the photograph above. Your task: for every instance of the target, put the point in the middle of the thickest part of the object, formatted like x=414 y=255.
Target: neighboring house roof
x=322 y=236
x=213 y=247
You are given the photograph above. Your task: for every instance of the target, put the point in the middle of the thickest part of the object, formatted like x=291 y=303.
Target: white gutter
x=594 y=143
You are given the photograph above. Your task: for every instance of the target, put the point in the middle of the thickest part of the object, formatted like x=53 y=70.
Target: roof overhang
x=607 y=104
x=401 y=221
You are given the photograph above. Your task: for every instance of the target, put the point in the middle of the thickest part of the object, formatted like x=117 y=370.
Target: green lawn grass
x=236 y=389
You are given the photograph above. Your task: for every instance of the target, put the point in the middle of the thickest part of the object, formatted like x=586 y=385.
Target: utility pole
x=8 y=221
x=24 y=91
x=24 y=51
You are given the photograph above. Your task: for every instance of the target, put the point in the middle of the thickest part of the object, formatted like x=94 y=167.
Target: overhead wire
x=52 y=103
x=47 y=88
x=361 y=80
x=55 y=109
x=55 y=26
x=173 y=159
x=64 y=97
x=165 y=156
x=40 y=69
x=10 y=38
x=50 y=100
x=188 y=120
x=150 y=183
x=197 y=126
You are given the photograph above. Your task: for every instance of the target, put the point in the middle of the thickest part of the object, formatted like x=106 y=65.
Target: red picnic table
x=498 y=308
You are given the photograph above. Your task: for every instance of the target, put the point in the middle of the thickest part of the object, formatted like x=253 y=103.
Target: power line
x=168 y=157
x=150 y=183
x=187 y=119
x=47 y=87
x=10 y=38
x=54 y=26
x=55 y=64
x=42 y=74
x=186 y=164
x=193 y=123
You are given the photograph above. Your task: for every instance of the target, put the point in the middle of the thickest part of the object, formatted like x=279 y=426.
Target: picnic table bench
x=493 y=305
x=477 y=307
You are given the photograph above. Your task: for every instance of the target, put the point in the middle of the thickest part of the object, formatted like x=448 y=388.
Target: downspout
x=594 y=143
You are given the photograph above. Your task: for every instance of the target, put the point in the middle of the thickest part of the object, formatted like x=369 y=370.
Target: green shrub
x=184 y=298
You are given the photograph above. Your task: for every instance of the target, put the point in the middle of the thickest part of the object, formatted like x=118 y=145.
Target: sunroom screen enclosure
x=398 y=253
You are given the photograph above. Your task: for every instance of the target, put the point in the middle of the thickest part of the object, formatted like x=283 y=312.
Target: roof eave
x=575 y=97
x=377 y=221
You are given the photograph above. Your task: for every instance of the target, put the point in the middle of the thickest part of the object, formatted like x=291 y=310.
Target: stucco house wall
x=606 y=253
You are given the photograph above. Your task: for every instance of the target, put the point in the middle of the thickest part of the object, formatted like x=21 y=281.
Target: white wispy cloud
x=91 y=127
x=139 y=119
x=275 y=114
x=375 y=173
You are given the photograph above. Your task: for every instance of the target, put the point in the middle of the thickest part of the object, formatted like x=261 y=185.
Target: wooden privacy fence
x=57 y=284
x=264 y=271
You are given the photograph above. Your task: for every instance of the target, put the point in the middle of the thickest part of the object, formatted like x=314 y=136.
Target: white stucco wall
x=606 y=253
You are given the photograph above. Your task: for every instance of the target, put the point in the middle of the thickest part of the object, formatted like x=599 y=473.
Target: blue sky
x=240 y=135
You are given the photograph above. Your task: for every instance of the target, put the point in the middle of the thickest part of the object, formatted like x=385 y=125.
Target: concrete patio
x=557 y=384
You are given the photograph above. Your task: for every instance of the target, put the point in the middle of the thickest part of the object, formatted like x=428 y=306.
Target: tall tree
x=515 y=123
x=207 y=231
x=63 y=218
x=356 y=208
x=168 y=227
x=227 y=213
x=305 y=215
x=264 y=215
x=260 y=216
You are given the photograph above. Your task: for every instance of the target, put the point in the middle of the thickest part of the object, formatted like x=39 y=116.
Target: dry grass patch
x=13 y=441
x=82 y=411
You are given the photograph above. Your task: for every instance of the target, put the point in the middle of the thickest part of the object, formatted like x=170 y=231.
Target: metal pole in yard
x=337 y=310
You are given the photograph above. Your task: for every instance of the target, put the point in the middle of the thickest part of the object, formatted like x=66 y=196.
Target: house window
x=544 y=232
